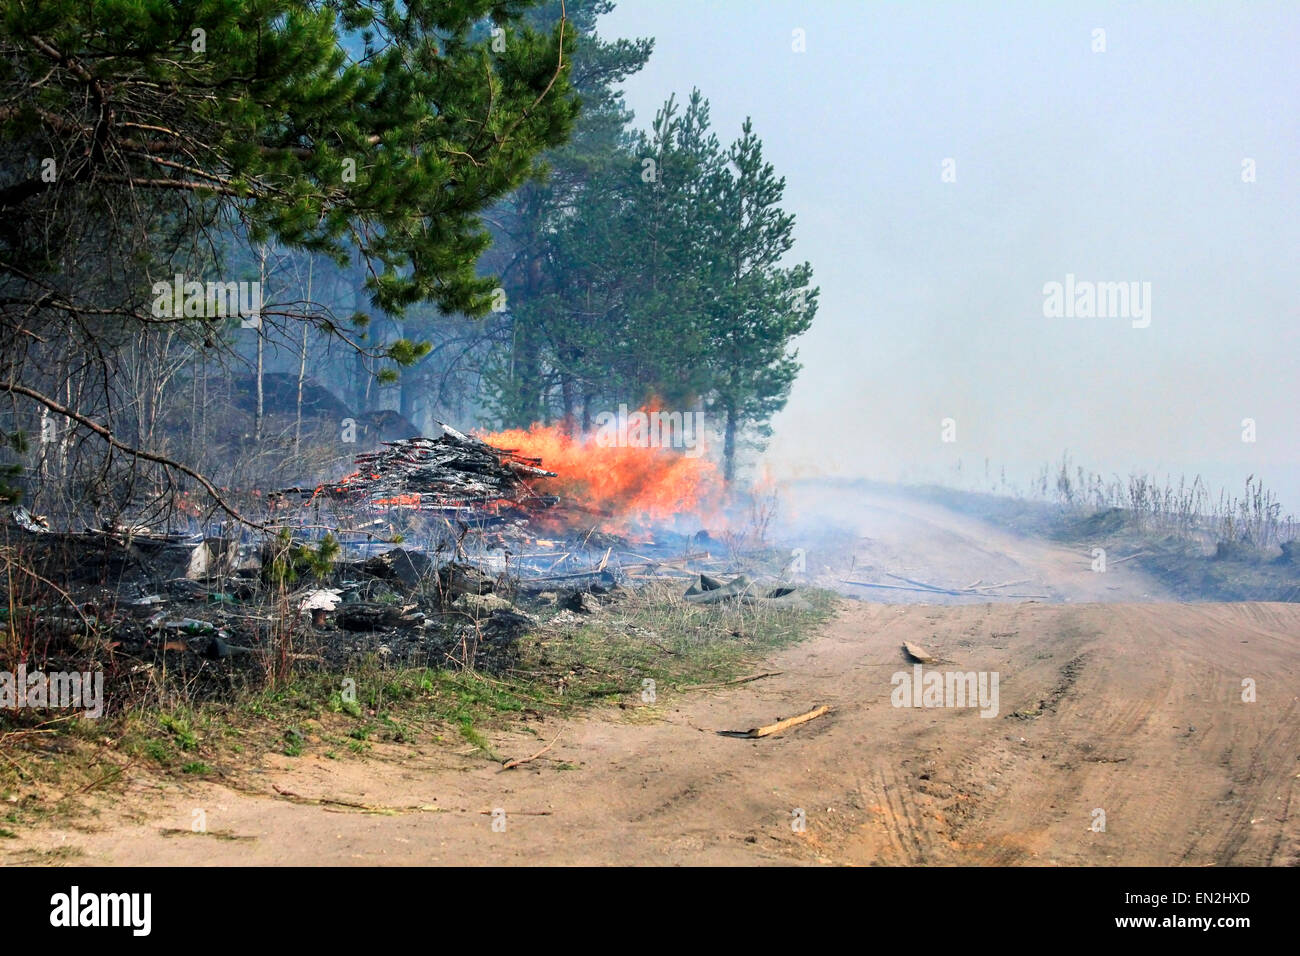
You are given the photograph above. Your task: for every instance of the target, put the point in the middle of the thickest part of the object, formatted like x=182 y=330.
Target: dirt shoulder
x=1132 y=709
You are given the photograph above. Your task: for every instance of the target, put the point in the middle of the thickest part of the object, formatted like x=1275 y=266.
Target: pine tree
x=758 y=305
x=544 y=343
x=667 y=282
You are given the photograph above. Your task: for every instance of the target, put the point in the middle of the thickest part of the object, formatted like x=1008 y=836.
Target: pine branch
x=106 y=433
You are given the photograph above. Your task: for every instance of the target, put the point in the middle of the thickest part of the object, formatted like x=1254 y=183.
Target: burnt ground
x=131 y=611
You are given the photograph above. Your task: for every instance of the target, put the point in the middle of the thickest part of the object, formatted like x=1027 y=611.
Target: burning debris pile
x=453 y=475
x=623 y=485
x=529 y=550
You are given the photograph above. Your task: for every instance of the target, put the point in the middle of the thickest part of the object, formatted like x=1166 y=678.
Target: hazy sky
x=1119 y=166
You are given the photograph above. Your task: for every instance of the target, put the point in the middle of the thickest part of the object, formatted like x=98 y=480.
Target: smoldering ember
x=436 y=433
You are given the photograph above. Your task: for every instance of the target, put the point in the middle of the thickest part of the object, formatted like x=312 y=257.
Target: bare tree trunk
x=361 y=393
x=194 y=410
x=257 y=421
x=158 y=383
x=302 y=376
x=203 y=404
x=409 y=404
x=302 y=366
x=65 y=437
x=729 y=448
x=569 y=398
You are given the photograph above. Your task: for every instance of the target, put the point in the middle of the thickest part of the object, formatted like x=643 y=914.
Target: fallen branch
x=105 y=433
x=977 y=593
x=106 y=778
x=729 y=683
x=1129 y=558
x=218 y=834
x=899 y=587
x=921 y=584
x=510 y=765
x=11 y=563
x=327 y=802
x=780 y=725
x=993 y=587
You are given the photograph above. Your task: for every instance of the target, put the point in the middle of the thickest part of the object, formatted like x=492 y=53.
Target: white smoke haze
x=1131 y=165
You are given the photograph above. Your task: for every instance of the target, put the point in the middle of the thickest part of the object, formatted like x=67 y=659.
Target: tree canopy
x=145 y=138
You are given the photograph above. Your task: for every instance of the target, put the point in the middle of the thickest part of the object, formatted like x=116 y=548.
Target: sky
x=1126 y=164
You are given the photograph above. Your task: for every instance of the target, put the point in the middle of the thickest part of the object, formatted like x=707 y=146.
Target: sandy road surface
x=896 y=536
x=1140 y=716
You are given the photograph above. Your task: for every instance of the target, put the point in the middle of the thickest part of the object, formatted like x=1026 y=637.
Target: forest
x=240 y=242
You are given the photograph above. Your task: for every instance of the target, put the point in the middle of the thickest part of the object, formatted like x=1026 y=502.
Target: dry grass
x=1187 y=510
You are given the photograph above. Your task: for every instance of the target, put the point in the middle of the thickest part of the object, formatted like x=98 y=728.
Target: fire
x=625 y=483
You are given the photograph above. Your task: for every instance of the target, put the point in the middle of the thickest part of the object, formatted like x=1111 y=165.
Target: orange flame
x=624 y=484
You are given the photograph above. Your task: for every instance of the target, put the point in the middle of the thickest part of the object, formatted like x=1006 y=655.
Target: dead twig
x=22 y=771
x=511 y=764
x=922 y=584
x=106 y=778
x=899 y=587
x=327 y=802
x=1129 y=558
x=993 y=587
x=729 y=683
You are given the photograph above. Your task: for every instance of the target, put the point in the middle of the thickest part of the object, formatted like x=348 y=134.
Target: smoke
x=946 y=164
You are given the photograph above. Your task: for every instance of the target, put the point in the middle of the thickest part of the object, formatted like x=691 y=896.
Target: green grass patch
x=640 y=650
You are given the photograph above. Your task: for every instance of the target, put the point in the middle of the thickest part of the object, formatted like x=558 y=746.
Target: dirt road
x=1139 y=714
x=899 y=540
